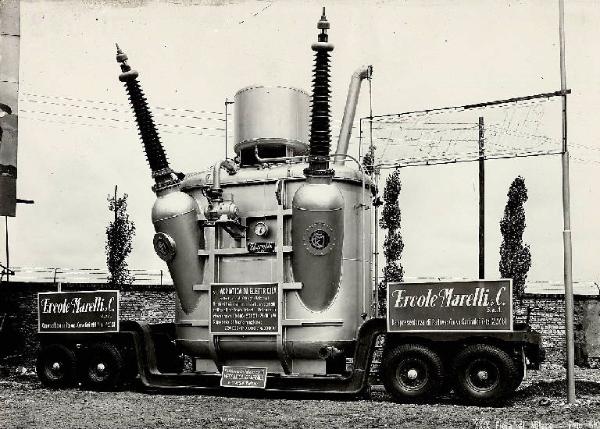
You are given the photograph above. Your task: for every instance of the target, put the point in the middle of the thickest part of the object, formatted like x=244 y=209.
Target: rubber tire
x=114 y=367
x=417 y=354
x=500 y=365
x=48 y=356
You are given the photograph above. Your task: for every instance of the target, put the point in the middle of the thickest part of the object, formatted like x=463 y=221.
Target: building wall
x=150 y=303
x=156 y=304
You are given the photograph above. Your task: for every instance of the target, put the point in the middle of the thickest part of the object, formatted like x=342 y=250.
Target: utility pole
x=7 y=252
x=227 y=103
x=568 y=257
x=481 y=200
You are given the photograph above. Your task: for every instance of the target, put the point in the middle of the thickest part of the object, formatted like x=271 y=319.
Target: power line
x=67 y=115
x=105 y=125
x=124 y=110
x=88 y=100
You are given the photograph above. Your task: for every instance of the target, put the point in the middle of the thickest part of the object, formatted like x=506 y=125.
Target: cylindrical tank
x=271 y=116
x=177 y=241
x=317 y=241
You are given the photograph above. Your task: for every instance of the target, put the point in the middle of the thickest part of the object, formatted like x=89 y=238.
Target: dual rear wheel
x=100 y=367
x=480 y=373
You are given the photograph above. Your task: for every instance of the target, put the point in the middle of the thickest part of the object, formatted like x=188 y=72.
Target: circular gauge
x=261 y=229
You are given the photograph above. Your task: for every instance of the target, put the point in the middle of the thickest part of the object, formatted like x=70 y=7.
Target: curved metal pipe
x=227 y=165
x=363 y=72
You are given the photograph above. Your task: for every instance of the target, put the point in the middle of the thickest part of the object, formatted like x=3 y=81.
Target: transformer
x=270 y=255
x=279 y=220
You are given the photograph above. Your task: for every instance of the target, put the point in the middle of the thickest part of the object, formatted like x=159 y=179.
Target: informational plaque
x=77 y=312
x=261 y=247
x=478 y=305
x=244 y=377
x=244 y=309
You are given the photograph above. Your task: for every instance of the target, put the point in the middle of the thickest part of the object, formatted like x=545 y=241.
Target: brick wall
x=156 y=304
x=150 y=303
x=547 y=315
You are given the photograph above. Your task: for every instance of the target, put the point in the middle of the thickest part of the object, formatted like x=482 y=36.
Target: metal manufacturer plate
x=244 y=377
x=319 y=239
x=244 y=308
x=261 y=247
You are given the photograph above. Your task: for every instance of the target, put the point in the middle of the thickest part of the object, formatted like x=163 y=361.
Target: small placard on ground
x=90 y=311
x=246 y=309
x=244 y=377
x=478 y=305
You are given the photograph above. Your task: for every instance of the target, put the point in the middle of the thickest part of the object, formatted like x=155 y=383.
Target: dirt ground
x=538 y=404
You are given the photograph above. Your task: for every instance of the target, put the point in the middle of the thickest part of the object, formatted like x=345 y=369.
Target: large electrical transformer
x=272 y=220
x=271 y=258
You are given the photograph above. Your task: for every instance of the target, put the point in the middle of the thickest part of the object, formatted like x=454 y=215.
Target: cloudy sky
x=77 y=138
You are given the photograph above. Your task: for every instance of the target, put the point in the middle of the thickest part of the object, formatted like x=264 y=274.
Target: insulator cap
x=322 y=46
x=128 y=75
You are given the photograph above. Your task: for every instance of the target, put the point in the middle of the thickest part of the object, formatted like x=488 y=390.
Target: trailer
x=271 y=257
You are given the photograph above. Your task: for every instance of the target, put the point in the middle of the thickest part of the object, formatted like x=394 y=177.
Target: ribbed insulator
x=320 y=130
x=147 y=129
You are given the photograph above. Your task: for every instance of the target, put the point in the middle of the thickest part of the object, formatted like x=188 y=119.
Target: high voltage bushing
x=320 y=129
x=155 y=154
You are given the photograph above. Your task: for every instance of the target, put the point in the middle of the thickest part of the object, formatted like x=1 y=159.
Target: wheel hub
x=100 y=367
x=56 y=366
x=483 y=375
x=412 y=374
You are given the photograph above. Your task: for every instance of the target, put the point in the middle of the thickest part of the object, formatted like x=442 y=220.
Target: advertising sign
x=244 y=377
x=243 y=309
x=457 y=306
x=78 y=312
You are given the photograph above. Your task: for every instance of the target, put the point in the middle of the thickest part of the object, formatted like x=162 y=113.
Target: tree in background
x=515 y=257
x=392 y=245
x=368 y=162
x=119 y=237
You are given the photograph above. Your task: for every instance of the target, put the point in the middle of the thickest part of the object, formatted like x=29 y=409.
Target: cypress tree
x=392 y=244
x=515 y=257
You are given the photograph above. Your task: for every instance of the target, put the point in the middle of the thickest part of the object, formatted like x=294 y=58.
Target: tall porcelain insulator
x=177 y=241
x=317 y=239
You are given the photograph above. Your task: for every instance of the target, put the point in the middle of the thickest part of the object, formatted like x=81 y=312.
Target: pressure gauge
x=261 y=229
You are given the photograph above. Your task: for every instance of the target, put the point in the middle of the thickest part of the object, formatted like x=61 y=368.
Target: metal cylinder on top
x=271 y=115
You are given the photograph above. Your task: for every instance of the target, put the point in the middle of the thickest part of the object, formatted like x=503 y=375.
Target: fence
x=82 y=275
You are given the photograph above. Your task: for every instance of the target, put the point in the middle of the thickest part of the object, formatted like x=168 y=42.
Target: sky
x=77 y=139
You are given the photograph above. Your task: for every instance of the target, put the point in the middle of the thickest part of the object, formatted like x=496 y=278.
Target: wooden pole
x=568 y=258
x=481 y=200
x=7 y=251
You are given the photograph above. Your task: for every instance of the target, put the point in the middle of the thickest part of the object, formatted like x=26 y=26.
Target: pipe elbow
x=363 y=72
x=225 y=164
